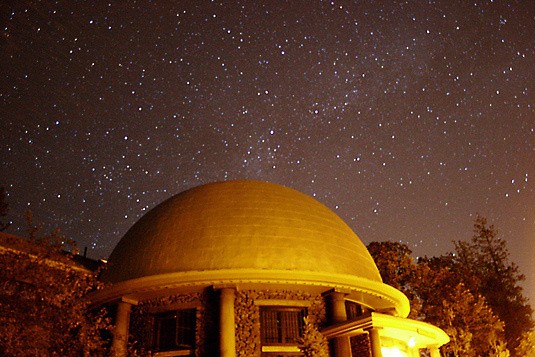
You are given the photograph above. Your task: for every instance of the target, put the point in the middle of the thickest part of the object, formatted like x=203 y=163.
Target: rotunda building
x=250 y=268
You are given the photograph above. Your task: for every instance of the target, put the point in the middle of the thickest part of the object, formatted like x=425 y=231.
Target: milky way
x=405 y=118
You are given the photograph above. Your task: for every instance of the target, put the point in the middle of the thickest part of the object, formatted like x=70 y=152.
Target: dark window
x=281 y=326
x=174 y=330
x=353 y=310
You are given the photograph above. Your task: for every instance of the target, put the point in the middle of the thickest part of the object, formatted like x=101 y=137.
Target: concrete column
x=227 y=330
x=120 y=332
x=375 y=342
x=414 y=352
x=338 y=306
x=434 y=351
x=342 y=346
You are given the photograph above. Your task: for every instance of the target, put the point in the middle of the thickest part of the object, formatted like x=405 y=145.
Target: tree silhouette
x=43 y=309
x=486 y=257
x=441 y=298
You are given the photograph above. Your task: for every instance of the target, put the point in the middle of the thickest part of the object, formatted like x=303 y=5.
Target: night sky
x=406 y=118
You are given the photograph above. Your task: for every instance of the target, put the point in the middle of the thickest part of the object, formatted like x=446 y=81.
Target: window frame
x=354 y=310
x=185 y=329
x=286 y=344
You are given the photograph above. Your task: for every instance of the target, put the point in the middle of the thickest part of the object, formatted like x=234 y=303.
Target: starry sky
x=406 y=118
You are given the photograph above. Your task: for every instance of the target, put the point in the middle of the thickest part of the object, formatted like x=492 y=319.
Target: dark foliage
x=43 y=310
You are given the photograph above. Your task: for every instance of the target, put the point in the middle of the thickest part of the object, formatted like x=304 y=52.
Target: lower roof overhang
x=421 y=334
x=373 y=294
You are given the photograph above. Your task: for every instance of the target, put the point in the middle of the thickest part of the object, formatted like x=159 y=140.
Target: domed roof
x=237 y=225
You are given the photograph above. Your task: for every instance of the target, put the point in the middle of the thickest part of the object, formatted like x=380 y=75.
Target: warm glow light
x=392 y=352
x=411 y=342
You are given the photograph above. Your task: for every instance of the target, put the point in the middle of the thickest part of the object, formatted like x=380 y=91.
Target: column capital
x=225 y=286
x=129 y=300
x=434 y=351
x=336 y=292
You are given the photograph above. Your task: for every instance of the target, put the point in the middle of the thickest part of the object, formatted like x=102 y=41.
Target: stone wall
x=360 y=346
x=248 y=316
x=141 y=328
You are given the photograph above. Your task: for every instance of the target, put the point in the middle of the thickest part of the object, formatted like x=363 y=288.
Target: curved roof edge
x=421 y=334
x=377 y=295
